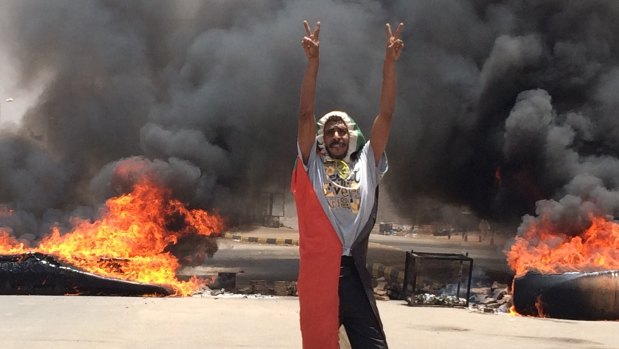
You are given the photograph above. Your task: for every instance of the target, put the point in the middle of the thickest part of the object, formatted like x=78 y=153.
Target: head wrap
x=356 y=141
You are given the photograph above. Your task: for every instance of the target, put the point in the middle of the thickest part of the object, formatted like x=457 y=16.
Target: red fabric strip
x=320 y=253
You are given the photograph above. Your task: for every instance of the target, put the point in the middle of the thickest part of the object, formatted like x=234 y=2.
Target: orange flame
x=539 y=306
x=8 y=244
x=545 y=251
x=129 y=239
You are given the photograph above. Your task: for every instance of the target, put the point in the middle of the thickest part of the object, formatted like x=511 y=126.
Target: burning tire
x=41 y=274
x=573 y=295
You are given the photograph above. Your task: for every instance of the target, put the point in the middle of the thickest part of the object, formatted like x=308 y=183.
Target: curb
x=254 y=239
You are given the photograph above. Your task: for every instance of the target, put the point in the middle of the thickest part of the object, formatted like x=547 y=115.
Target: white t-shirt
x=346 y=191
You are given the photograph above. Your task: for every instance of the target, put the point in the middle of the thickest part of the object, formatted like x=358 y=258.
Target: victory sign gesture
x=310 y=41
x=394 y=43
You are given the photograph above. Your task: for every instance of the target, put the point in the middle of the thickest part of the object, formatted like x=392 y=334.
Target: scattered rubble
x=261 y=287
x=430 y=299
x=222 y=293
x=385 y=289
x=495 y=299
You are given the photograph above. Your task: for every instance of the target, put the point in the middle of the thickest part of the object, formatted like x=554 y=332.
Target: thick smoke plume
x=506 y=107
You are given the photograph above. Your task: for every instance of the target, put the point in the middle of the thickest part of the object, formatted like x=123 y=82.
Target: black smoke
x=506 y=107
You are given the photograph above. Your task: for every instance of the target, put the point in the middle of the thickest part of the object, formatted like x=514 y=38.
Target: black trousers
x=356 y=314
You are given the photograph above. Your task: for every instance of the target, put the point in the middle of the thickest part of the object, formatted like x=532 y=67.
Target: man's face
x=336 y=138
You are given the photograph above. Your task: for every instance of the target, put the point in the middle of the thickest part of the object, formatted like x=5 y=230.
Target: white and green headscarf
x=356 y=141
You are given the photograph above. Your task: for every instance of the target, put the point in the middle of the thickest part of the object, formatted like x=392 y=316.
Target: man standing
x=335 y=185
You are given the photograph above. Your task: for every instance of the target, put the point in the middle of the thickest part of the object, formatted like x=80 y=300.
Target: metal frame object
x=410 y=270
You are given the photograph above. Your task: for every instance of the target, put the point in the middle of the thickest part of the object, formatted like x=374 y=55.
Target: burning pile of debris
x=567 y=276
x=570 y=295
x=132 y=245
x=35 y=273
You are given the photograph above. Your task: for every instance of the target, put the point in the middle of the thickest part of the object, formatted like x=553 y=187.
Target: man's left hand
x=394 y=43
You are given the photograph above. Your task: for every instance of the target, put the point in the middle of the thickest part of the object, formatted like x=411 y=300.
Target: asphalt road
x=252 y=261
x=441 y=245
x=489 y=260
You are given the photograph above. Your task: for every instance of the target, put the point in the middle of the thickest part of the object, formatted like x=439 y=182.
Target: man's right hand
x=310 y=41
x=307 y=119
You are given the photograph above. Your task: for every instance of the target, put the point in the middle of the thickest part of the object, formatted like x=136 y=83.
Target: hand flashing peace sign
x=394 y=43
x=310 y=40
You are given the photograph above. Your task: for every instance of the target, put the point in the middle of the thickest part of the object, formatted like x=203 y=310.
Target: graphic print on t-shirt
x=341 y=188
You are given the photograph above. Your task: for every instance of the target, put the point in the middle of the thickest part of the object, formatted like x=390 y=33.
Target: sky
x=505 y=108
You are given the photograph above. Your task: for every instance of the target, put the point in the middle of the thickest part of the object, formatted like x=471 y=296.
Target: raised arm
x=307 y=120
x=382 y=123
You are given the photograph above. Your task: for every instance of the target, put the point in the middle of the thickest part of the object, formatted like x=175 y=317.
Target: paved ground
x=205 y=322
x=230 y=321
